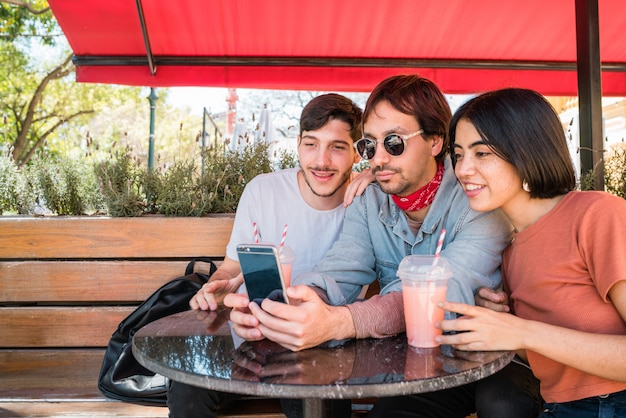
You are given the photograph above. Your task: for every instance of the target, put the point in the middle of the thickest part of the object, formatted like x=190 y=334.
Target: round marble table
x=198 y=348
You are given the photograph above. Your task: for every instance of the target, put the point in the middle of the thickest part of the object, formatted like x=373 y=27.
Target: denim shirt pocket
x=386 y=271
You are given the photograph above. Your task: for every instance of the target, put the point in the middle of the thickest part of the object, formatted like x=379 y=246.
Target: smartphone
x=262 y=273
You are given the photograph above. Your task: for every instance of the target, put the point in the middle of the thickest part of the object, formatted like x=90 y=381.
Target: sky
x=197 y=98
x=214 y=99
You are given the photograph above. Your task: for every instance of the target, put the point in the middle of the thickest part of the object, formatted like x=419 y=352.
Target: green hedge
x=122 y=185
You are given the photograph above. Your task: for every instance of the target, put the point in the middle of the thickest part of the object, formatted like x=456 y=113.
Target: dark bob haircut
x=416 y=96
x=522 y=128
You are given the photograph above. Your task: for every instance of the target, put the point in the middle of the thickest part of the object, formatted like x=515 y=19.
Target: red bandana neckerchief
x=424 y=196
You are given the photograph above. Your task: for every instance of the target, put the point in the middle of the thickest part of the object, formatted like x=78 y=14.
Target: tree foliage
x=30 y=114
x=21 y=19
x=31 y=110
x=40 y=103
x=615 y=170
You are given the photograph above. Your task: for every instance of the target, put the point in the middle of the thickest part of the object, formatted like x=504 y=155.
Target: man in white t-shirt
x=309 y=199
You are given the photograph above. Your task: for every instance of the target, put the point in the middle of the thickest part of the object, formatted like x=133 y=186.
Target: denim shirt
x=376 y=237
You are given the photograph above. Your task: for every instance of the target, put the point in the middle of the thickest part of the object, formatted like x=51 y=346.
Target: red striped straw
x=255 y=231
x=439 y=246
x=282 y=239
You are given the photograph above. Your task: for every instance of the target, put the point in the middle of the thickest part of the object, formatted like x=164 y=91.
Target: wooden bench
x=66 y=283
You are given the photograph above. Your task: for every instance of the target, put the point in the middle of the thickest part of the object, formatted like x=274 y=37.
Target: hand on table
x=213 y=292
x=495 y=300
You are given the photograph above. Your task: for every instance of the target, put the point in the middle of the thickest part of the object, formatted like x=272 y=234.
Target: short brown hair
x=321 y=109
x=418 y=97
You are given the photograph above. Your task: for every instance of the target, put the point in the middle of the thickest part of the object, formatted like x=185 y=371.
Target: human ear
x=437 y=145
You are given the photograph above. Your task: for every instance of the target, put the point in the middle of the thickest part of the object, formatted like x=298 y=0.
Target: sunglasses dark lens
x=366 y=148
x=394 y=144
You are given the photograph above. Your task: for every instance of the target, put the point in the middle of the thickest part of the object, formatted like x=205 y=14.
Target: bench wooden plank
x=50 y=374
x=87 y=281
x=59 y=383
x=99 y=409
x=257 y=408
x=101 y=237
x=90 y=326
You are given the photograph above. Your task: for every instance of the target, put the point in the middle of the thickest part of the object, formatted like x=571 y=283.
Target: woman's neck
x=524 y=214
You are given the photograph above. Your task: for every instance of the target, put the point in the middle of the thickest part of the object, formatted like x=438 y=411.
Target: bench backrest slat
x=146 y=237
x=22 y=376
x=86 y=281
x=67 y=282
x=60 y=326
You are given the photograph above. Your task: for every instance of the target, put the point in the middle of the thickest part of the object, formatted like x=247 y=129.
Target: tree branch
x=43 y=137
x=26 y=5
x=59 y=72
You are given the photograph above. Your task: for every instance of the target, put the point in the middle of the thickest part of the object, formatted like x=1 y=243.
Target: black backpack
x=121 y=376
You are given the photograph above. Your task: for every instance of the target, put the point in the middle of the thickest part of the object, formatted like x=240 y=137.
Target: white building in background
x=613 y=123
x=614 y=113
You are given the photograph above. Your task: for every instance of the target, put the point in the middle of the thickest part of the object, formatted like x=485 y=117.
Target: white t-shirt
x=273 y=200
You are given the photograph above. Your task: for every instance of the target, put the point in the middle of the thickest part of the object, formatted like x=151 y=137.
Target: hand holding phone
x=262 y=273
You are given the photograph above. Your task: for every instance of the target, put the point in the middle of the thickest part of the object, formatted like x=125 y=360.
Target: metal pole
x=589 y=90
x=204 y=115
x=152 y=98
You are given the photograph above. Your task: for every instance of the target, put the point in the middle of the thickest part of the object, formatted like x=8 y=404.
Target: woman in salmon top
x=565 y=271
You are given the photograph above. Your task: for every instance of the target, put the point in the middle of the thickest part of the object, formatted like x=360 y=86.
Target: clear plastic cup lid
x=424 y=267
x=286 y=255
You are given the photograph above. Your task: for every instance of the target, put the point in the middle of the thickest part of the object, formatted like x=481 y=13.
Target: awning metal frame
x=266 y=61
x=146 y=38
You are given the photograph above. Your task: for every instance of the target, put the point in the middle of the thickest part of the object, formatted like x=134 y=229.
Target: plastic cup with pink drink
x=424 y=284
x=287 y=258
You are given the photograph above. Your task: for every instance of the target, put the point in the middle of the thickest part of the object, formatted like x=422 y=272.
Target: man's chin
x=324 y=191
x=388 y=188
x=327 y=188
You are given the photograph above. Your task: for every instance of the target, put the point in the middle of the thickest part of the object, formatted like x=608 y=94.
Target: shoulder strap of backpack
x=190 y=267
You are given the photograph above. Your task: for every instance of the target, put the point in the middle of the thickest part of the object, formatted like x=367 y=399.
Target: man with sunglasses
x=415 y=197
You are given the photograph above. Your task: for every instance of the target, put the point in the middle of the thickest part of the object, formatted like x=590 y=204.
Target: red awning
x=464 y=46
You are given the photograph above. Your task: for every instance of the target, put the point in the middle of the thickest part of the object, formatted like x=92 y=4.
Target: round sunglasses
x=393 y=143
